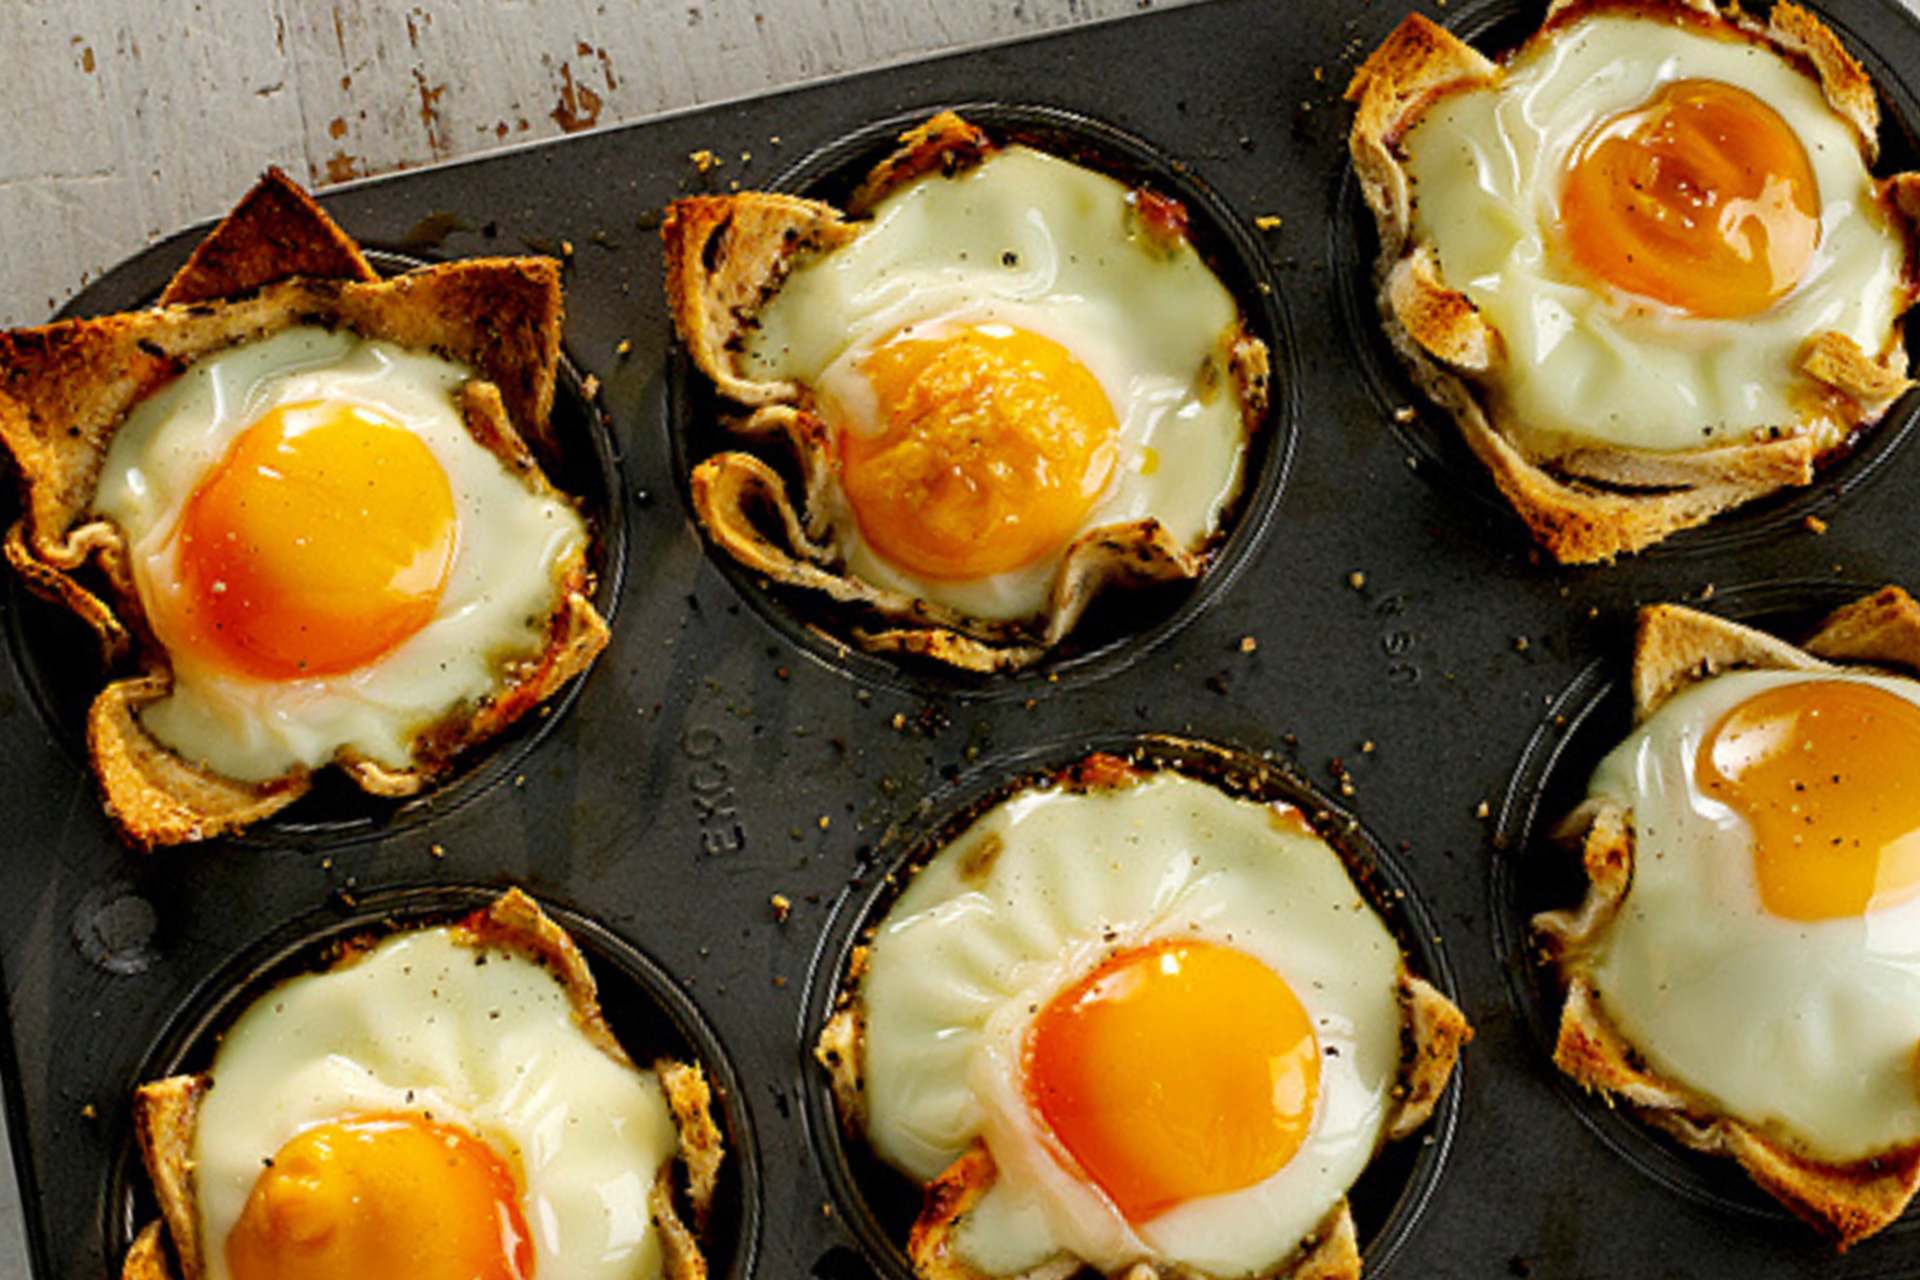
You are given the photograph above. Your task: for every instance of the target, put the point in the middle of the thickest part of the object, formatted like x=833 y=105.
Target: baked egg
x=300 y=507
x=1125 y=1019
x=1010 y=383
x=1643 y=261
x=329 y=559
x=445 y=1103
x=1742 y=970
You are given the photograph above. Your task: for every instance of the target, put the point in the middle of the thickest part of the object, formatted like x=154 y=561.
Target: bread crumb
x=1356 y=580
x=623 y=348
x=704 y=160
x=1248 y=644
x=1481 y=810
x=438 y=850
x=1268 y=222
x=1519 y=644
x=782 y=906
x=825 y=821
x=1816 y=524
x=1404 y=414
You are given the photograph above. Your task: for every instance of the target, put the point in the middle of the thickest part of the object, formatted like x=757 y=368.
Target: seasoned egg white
x=485 y=1042
x=1807 y=1027
x=1029 y=900
x=513 y=547
x=1037 y=243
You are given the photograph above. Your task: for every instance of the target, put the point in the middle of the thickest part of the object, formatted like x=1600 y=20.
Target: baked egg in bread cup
x=307 y=513
x=1707 y=896
x=993 y=389
x=457 y=1082
x=1143 y=1008
x=1642 y=255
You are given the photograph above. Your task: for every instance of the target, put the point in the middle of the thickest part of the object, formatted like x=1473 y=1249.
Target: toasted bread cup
x=1587 y=499
x=275 y=262
x=1676 y=648
x=680 y=1193
x=766 y=502
x=1431 y=1032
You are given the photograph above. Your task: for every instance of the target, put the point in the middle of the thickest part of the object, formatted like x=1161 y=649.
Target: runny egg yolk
x=1702 y=197
x=320 y=542
x=391 y=1195
x=993 y=444
x=1175 y=1070
x=1827 y=773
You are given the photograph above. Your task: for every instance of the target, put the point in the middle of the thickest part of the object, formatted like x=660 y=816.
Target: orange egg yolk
x=1827 y=773
x=382 y=1197
x=1701 y=198
x=993 y=444
x=1173 y=1071
x=321 y=541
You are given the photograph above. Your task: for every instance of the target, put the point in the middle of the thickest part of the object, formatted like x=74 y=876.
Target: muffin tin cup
x=880 y=1204
x=649 y=1014
x=1122 y=625
x=1535 y=870
x=1434 y=445
x=59 y=661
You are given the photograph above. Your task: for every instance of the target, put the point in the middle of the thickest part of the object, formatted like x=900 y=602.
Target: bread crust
x=275 y=233
x=1674 y=648
x=166 y=1113
x=147 y=1257
x=726 y=256
x=66 y=389
x=1592 y=503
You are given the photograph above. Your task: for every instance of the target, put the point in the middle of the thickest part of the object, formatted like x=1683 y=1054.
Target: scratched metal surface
x=1391 y=627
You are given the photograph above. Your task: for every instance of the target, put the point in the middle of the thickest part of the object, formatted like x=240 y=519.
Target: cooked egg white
x=1589 y=360
x=1197 y=967
x=477 y=554
x=1767 y=955
x=428 y=1035
x=1044 y=254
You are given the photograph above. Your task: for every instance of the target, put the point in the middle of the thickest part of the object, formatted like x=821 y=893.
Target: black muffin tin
x=717 y=801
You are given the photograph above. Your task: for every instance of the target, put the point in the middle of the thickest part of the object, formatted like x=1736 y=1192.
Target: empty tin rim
x=651 y=1016
x=879 y=1204
x=1531 y=873
x=57 y=655
x=1119 y=634
x=1434 y=445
